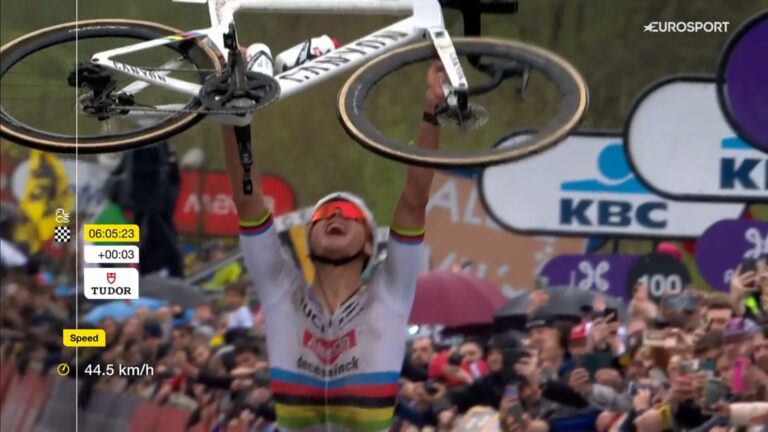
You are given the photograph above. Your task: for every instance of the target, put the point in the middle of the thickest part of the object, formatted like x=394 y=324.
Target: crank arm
x=243 y=137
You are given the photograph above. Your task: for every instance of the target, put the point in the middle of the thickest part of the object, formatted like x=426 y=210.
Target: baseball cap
x=578 y=333
x=739 y=328
x=540 y=320
x=510 y=340
x=669 y=249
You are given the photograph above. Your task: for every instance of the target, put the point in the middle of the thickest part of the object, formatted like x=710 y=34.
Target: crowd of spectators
x=694 y=362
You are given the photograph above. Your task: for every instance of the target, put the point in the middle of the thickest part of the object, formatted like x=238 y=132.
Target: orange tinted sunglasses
x=346 y=209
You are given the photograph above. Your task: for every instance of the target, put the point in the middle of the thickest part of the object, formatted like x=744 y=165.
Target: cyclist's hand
x=435 y=79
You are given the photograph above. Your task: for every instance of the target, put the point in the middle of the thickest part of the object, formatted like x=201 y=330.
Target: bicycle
x=207 y=75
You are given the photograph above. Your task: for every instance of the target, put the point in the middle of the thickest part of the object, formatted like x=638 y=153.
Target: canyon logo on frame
x=584 y=186
x=680 y=144
x=459 y=230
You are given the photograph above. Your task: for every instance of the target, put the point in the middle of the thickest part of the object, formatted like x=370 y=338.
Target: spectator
x=719 y=311
x=228 y=274
x=238 y=315
x=541 y=329
x=422 y=351
x=471 y=350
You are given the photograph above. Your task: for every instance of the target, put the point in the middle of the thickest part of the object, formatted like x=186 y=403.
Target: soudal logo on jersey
x=328 y=351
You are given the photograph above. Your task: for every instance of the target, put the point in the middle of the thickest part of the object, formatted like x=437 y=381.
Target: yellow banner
x=46 y=191
x=108 y=233
x=298 y=234
x=84 y=338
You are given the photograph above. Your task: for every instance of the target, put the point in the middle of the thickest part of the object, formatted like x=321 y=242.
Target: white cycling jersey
x=333 y=372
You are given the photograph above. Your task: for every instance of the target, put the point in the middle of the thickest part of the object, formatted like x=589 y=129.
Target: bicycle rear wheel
x=40 y=106
x=570 y=84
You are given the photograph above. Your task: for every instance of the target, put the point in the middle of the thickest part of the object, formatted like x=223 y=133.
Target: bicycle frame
x=425 y=20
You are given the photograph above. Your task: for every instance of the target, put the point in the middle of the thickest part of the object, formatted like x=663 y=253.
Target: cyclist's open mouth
x=335 y=229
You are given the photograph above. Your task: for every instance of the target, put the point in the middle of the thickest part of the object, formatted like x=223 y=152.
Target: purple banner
x=602 y=273
x=724 y=245
x=746 y=66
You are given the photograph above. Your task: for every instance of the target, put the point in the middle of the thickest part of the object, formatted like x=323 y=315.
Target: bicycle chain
x=201 y=110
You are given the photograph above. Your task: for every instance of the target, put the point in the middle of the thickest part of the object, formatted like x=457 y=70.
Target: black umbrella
x=175 y=291
x=8 y=211
x=564 y=303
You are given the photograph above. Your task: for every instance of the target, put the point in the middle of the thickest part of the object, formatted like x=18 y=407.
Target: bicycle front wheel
x=52 y=98
x=571 y=92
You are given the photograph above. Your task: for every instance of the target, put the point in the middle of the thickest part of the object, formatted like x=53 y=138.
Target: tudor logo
x=114 y=283
x=328 y=351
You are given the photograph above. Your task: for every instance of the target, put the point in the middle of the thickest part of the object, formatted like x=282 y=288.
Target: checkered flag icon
x=62 y=234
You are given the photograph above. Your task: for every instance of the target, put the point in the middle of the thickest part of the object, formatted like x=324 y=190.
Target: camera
x=455 y=359
x=265 y=411
x=430 y=387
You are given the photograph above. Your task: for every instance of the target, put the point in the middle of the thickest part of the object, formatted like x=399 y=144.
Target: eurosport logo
x=585 y=186
x=686 y=27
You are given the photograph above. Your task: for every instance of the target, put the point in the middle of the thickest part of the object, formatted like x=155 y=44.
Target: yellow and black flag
x=47 y=190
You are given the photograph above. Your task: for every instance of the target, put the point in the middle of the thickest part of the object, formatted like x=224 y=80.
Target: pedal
x=473 y=118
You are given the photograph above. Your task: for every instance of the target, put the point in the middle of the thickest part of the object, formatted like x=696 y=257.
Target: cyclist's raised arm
x=410 y=212
x=404 y=251
x=269 y=268
x=249 y=207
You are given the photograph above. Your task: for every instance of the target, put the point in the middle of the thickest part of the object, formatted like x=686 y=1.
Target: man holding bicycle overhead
x=336 y=347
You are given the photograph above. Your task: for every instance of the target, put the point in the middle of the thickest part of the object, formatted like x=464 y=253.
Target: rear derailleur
x=97 y=97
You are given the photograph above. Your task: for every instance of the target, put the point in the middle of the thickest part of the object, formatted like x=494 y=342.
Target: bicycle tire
x=351 y=103
x=16 y=50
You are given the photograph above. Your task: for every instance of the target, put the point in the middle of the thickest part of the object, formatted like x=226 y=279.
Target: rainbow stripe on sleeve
x=407 y=236
x=361 y=402
x=256 y=227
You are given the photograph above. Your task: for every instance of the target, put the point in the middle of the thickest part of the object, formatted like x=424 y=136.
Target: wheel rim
x=351 y=103
x=25 y=134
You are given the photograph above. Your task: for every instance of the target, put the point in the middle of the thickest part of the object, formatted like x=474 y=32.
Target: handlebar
x=482 y=6
x=471 y=11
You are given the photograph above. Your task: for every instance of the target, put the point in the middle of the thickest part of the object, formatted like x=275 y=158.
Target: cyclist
x=336 y=347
